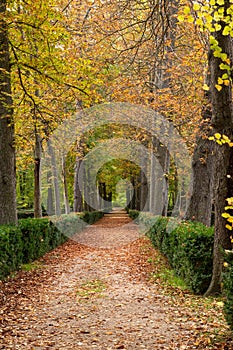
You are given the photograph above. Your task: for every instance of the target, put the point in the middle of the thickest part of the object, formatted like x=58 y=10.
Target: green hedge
x=32 y=238
x=228 y=289
x=11 y=249
x=188 y=247
x=133 y=214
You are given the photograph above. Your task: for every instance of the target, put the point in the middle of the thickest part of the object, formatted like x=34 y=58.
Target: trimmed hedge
x=228 y=289
x=188 y=247
x=32 y=238
x=11 y=249
x=133 y=214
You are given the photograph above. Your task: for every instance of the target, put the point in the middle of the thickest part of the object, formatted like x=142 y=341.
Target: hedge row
x=32 y=238
x=228 y=288
x=188 y=247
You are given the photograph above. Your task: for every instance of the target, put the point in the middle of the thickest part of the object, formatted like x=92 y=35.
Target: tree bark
x=8 y=212
x=50 y=208
x=37 y=176
x=143 y=182
x=222 y=122
x=201 y=200
x=55 y=179
x=65 y=188
x=78 y=204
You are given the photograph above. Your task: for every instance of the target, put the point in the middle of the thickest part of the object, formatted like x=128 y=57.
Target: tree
x=8 y=213
x=222 y=122
x=215 y=18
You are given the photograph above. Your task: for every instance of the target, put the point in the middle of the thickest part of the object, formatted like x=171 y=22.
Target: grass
x=164 y=273
x=90 y=289
x=31 y=266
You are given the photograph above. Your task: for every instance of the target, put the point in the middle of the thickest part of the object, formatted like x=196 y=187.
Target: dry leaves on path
x=101 y=296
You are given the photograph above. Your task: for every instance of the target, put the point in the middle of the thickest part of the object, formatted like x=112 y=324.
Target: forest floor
x=105 y=291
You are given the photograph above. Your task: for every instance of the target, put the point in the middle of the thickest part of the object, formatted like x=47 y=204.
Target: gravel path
x=95 y=293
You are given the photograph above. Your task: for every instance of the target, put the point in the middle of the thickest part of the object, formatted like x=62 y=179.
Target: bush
x=188 y=248
x=32 y=238
x=133 y=214
x=228 y=289
x=90 y=217
x=39 y=236
x=192 y=258
x=11 y=249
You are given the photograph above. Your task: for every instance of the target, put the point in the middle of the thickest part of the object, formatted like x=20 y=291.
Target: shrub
x=91 y=217
x=32 y=238
x=133 y=214
x=192 y=257
x=11 y=249
x=228 y=289
x=188 y=248
x=39 y=236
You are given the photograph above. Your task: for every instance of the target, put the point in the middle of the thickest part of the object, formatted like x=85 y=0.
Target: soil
x=97 y=292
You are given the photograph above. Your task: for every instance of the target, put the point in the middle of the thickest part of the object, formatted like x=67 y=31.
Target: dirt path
x=96 y=294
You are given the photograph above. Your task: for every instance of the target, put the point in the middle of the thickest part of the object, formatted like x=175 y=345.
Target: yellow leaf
x=220 y=303
x=186 y=10
x=199 y=22
x=229 y=227
x=190 y=19
x=206 y=87
x=180 y=18
x=217 y=136
x=196 y=7
x=217 y=26
x=226 y=82
x=226 y=138
x=218 y=87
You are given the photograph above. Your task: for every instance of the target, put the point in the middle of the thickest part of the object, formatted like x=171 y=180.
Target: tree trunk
x=222 y=122
x=8 y=213
x=222 y=190
x=137 y=191
x=65 y=189
x=37 y=176
x=55 y=179
x=166 y=169
x=143 y=183
x=50 y=208
x=78 y=205
x=201 y=200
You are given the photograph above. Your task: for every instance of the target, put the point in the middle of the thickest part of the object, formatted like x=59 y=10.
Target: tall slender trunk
x=37 y=176
x=78 y=204
x=65 y=188
x=8 y=213
x=50 y=208
x=143 y=183
x=166 y=169
x=55 y=179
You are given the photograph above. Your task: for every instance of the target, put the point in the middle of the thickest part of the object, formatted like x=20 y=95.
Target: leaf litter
x=82 y=296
